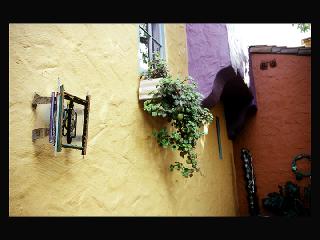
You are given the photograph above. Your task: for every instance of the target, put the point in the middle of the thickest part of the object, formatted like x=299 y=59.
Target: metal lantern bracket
x=67 y=122
x=86 y=104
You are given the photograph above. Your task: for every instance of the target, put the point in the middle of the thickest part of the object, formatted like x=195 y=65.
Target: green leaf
x=175 y=100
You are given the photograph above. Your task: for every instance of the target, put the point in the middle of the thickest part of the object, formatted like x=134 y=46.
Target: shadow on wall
x=237 y=98
x=43 y=150
x=163 y=157
x=47 y=161
x=240 y=173
x=49 y=165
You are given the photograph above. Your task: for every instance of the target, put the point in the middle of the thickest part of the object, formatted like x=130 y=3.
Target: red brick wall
x=280 y=129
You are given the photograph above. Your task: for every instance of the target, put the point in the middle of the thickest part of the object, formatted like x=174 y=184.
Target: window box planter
x=146 y=87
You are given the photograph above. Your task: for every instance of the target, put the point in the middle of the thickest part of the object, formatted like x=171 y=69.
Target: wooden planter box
x=147 y=86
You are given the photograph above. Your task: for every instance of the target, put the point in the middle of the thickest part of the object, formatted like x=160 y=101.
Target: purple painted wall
x=208 y=53
x=218 y=73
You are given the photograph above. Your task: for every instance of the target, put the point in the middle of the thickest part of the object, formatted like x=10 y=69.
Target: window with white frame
x=151 y=40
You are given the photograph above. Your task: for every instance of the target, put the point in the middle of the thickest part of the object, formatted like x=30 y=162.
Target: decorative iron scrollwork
x=69 y=125
x=250 y=180
x=299 y=174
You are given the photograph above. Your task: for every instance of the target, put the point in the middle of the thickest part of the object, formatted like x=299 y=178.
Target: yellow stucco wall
x=176 y=49
x=124 y=172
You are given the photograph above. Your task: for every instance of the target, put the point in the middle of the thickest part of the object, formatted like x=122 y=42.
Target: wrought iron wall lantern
x=63 y=120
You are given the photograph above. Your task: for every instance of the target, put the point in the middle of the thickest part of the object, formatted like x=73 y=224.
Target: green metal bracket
x=218 y=136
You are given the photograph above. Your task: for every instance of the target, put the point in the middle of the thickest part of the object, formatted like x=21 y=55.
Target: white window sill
x=147 y=86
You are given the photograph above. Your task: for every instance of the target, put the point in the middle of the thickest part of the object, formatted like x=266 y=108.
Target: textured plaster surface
x=208 y=53
x=217 y=61
x=124 y=173
x=281 y=128
x=176 y=49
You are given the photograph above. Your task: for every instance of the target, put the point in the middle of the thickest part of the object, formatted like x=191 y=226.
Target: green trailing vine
x=179 y=102
x=157 y=67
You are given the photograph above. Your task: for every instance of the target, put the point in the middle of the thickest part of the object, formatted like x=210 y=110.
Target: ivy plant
x=179 y=102
x=157 y=67
x=288 y=201
x=304 y=27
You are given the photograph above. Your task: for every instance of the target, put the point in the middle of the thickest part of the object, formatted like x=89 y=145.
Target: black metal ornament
x=299 y=174
x=250 y=182
x=69 y=125
x=289 y=201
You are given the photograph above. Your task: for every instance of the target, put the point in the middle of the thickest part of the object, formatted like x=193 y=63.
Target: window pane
x=144 y=36
x=155 y=46
x=156 y=32
x=157 y=43
x=143 y=48
x=150 y=42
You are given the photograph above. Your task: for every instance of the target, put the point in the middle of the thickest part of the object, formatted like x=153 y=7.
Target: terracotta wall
x=281 y=128
x=125 y=172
